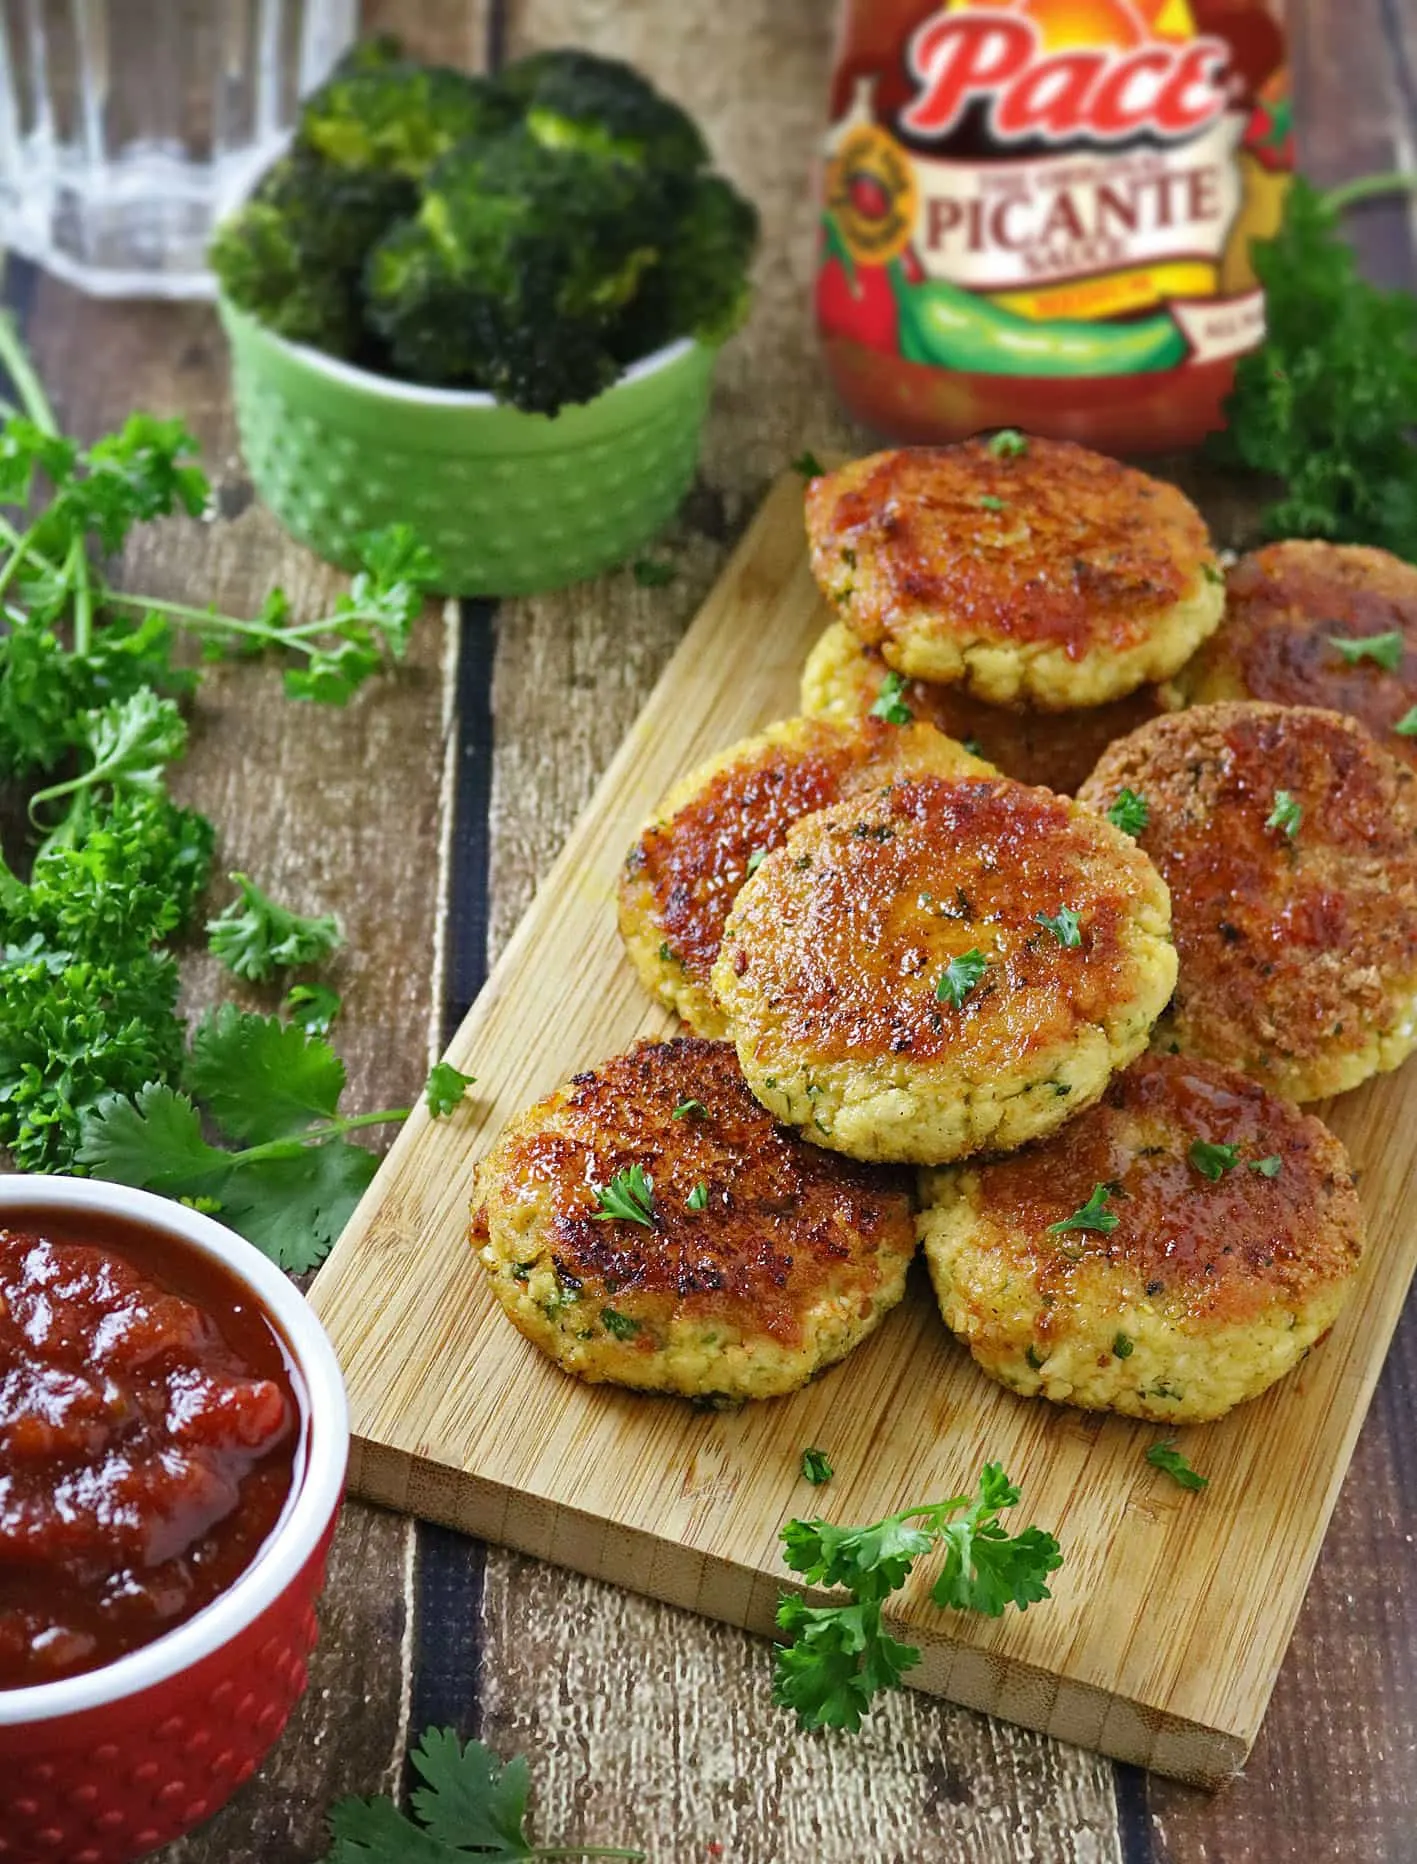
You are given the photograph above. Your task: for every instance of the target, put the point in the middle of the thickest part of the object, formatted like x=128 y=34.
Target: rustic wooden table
x=424 y=815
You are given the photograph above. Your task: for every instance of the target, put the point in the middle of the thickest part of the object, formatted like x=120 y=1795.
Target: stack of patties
x=920 y=962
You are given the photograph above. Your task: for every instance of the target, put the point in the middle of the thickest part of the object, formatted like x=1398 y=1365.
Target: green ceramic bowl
x=508 y=502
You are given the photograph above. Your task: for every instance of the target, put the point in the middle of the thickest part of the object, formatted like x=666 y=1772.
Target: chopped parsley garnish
x=990 y=503
x=1406 y=726
x=1286 y=814
x=629 y=1195
x=815 y=1467
x=889 y=704
x=666 y=956
x=960 y=976
x=839 y=1656
x=619 y=1324
x=808 y=465
x=1008 y=444
x=1384 y=650
x=690 y=1110
x=1123 y=1345
x=1129 y=812
x=1063 y=925
x=470 y=1805
x=1268 y=1167
x=1094 y=1214
x=973 y=746
x=651 y=575
x=1166 y=1456
x=698 y=1197
x=756 y=859
x=1213 y=1161
x=1213 y=574
x=446 y=1088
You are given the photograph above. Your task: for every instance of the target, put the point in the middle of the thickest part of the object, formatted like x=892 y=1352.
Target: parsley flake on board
x=837 y=1657
x=1129 y=812
x=690 y=1110
x=629 y=1195
x=471 y=1805
x=960 y=976
x=255 y=937
x=1064 y=925
x=1094 y=1214
x=889 y=704
x=698 y=1197
x=1213 y=1161
x=445 y=1089
x=1167 y=1457
x=815 y=1467
x=1286 y=814
x=1008 y=444
x=1384 y=650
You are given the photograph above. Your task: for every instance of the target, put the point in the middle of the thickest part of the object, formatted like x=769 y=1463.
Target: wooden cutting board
x=1172 y=1612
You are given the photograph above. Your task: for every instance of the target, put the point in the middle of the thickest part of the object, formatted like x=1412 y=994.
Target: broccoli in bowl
x=529 y=235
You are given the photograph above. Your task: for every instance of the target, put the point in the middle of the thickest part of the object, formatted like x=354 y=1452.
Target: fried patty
x=891 y=986
x=1236 y=1232
x=764 y=1259
x=843 y=679
x=1286 y=607
x=1288 y=838
x=1055 y=578
x=717 y=824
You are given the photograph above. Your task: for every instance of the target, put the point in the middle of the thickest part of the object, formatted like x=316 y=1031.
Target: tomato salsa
x=150 y=1427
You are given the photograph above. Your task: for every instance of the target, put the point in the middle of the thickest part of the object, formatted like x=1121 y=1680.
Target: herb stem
x=20 y=541
x=17 y=556
x=325 y=1129
x=22 y=373
x=206 y=621
x=1369 y=188
x=76 y=564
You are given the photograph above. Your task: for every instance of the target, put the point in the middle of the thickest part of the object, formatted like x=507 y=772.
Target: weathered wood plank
x=339 y=811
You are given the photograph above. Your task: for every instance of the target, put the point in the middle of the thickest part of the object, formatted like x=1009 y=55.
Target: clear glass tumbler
x=128 y=127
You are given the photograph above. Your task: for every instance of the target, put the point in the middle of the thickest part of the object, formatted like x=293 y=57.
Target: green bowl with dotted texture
x=508 y=502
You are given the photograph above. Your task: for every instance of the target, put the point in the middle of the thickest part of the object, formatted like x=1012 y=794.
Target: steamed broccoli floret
x=700 y=286
x=513 y=272
x=294 y=253
x=400 y=118
x=604 y=108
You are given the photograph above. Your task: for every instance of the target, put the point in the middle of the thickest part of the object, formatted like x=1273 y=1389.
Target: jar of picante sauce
x=1039 y=213
x=151 y=1425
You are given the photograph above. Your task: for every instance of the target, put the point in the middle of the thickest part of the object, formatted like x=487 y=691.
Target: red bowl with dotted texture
x=106 y=1767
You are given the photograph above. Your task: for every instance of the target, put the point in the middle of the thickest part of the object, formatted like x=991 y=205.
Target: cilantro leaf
x=1166 y=1456
x=1094 y=1214
x=255 y=936
x=261 y=1078
x=313 y=1007
x=960 y=976
x=1213 y=1161
x=1064 y=925
x=816 y=1468
x=1286 y=814
x=1129 y=812
x=446 y=1088
x=629 y=1195
x=889 y=703
x=153 y=1141
x=292 y=1205
x=1384 y=650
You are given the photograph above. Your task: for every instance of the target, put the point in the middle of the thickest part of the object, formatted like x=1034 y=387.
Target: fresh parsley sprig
x=839 y=1656
x=628 y=1196
x=1129 y=812
x=471 y=1805
x=256 y=937
x=1094 y=1214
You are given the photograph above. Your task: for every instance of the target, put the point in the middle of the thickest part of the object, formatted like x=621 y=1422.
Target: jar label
x=1061 y=187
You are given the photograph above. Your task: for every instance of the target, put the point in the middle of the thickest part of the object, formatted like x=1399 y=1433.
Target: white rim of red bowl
x=398 y=390
x=301 y=1527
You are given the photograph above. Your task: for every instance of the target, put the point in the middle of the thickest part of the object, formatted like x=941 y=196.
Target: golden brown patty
x=1235 y=1235
x=1298 y=950
x=717 y=824
x=1056 y=578
x=1286 y=605
x=845 y=952
x=765 y=1258
x=842 y=679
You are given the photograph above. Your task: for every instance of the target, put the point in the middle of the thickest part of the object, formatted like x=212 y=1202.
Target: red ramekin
x=104 y=1768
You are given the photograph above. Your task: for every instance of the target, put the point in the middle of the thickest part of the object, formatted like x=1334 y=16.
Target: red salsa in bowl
x=152 y=1430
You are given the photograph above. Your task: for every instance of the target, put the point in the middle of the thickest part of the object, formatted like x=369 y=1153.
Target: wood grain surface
x=641 y=1719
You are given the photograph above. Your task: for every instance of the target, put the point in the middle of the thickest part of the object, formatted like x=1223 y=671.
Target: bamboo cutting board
x=1172 y=1611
